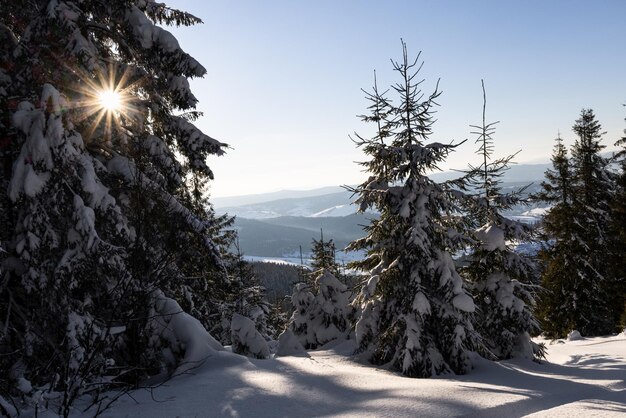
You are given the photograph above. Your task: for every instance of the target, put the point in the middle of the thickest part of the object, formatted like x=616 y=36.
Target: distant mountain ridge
x=296 y=206
x=336 y=201
x=233 y=201
x=279 y=224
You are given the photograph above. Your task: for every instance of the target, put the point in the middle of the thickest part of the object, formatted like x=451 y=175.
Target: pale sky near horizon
x=284 y=78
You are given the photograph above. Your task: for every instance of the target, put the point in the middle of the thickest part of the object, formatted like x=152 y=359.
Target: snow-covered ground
x=342 y=257
x=294 y=261
x=584 y=378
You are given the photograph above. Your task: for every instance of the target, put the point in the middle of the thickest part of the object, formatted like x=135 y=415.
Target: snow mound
x=289 y=345
x=326 y=281
x=183 y=333
x=574 y=336
x=246 y=339
x=524 y=347
x=345 y=348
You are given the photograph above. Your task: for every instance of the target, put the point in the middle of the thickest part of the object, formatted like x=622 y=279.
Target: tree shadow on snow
x=544 y=386
x=231 y=386
x=295 y=393
x=240 y=388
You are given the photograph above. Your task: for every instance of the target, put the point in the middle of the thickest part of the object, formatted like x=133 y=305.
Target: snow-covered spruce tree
x=501 y=278
x=415 y=312
x=618 y=236
x=555 y=308
x=322 y=309
x=591 y=194
x=332 y=321
x=302 y=300
x=575 y=275
x=245 y=296
x=96 y=216
x=323 y=317
x=323 y=256
x=246 y=339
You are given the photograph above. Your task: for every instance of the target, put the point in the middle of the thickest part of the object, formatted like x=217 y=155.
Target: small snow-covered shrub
x=334 y=303
x=302 y=299
x=246 y=339
x=289 y=345
x=187 y=344
x=324 y=317
x=574 y=335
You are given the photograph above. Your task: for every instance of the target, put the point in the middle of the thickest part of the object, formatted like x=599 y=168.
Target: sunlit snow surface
x=583 y=378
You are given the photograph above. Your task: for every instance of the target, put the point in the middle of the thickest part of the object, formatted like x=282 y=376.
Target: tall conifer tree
x=415 y=313
x=556 y=305
x=618 y=236
x=576 y=274
x=501 y=278
x=591 y=194
x=97 y=154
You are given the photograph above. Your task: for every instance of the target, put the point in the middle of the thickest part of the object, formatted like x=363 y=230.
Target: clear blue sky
x=284 y=78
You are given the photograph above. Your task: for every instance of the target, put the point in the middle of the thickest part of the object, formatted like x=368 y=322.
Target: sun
x=110 y=100
x=106 y=103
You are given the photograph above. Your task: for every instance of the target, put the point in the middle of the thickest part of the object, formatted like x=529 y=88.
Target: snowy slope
x=232 y=201
x=584 y=378
x=339 y=210
x=296 y=206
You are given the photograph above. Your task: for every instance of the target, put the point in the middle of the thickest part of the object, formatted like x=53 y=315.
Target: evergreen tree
x=618 y=236
x=501 y=278
x=278 y=318
x=591 y=193
x=322 y=310
x=98 y=216
x=245 y=296
x=246 y=340
x=576 y=276
x=557 y=303
x=302 y=300
x=323 y=256
x=415 y=313
x=556 y=189
x=322 y=317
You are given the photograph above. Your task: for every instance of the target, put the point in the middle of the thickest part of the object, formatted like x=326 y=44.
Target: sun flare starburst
x=107 y=104
x=110 y=100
